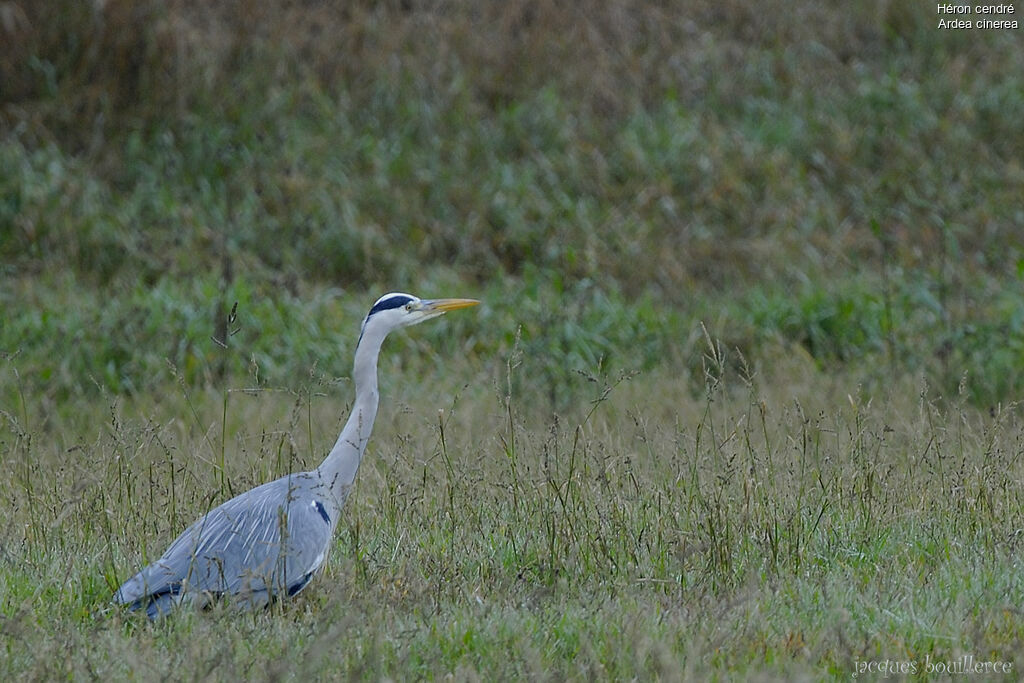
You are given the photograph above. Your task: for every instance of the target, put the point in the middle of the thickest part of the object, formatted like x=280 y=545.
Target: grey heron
x=270 y=541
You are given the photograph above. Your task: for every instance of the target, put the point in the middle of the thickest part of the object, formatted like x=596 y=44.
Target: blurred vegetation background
x=837 y=180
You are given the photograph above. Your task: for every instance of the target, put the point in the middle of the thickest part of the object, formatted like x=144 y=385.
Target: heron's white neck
x=339 y=468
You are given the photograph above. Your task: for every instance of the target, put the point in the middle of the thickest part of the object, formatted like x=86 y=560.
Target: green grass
x=742 y=400
x=792 y=529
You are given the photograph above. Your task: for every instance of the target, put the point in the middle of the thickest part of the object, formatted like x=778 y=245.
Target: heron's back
x=262 y=544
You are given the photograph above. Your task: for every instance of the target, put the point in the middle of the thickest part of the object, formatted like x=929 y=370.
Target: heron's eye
x=408 y=307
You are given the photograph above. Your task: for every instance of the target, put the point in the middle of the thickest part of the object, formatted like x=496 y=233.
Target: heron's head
x=398 y=309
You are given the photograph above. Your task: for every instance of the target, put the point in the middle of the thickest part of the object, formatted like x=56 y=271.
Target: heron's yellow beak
x=445 y=305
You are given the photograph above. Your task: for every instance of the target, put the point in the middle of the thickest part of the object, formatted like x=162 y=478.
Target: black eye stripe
x=389 y=303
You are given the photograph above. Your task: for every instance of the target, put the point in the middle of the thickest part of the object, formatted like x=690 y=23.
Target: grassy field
x=773 y=526
x=741 y=401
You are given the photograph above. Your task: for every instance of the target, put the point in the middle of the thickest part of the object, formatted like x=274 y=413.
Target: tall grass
x=793 y=527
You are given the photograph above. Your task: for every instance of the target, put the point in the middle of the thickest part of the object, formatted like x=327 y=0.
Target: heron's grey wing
x=265 y=543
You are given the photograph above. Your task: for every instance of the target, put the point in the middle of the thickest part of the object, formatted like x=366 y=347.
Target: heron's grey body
x=269 y=542
x=266 y=543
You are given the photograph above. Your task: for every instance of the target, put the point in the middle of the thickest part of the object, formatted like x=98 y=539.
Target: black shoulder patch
x=300 y=584
x=322 y=510
x=389 y=302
